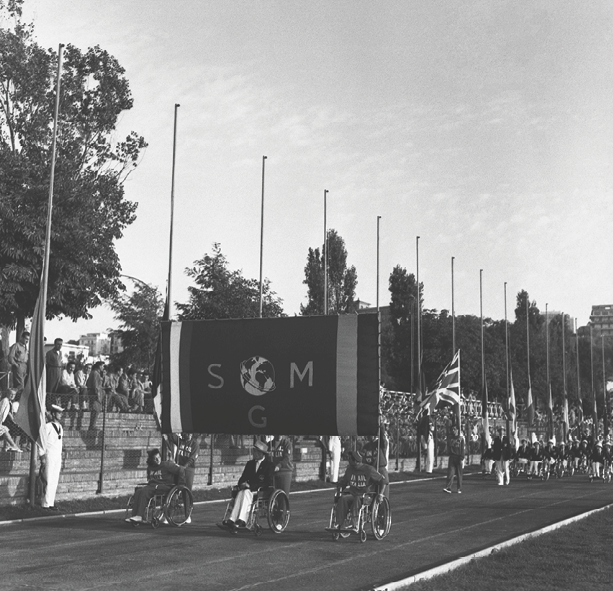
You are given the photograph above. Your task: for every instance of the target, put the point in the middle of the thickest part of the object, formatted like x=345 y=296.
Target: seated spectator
x=6 y=415
x=68 y=388
x=137 y=394
x=147 y=392
x=111 y=382
x=161 y=477
x=258 y=473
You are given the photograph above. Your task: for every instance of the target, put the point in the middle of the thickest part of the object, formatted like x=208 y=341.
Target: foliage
x=89 y=208
x=139 y=317
x=342 y=280
x=221 y=293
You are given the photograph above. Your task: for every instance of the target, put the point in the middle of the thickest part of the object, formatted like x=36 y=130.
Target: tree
x=89 y=212
x=139 y=316
x=342 y=280
x=221 y=293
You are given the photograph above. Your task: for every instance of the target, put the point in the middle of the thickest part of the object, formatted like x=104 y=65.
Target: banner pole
x=325 y=252
x=262 y=240
x=378 y=351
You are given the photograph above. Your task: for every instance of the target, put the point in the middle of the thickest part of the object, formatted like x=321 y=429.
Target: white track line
x=445 y=568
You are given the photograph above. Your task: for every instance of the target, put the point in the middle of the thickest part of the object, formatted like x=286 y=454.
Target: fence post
x=210 y=478
x=101 y=479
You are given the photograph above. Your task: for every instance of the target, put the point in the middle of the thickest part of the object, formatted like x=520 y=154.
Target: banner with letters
x=315 y=375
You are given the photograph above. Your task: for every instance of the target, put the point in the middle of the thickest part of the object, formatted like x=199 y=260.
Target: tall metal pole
x=579 y=398
x=506 y=353
x=594 y=408
x=262 y=241
x=530 y=401
x=484 y=398
x=325 y=252
x=418 y=321
x=452 y=311
x=605 y=416
x=549 y=400
x=378 y=346
x=172 y=211
x=565 y=393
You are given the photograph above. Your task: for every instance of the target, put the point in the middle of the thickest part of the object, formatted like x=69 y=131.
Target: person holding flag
x=455 y=445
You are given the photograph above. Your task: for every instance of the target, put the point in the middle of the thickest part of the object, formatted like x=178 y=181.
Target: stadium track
x=429 y=528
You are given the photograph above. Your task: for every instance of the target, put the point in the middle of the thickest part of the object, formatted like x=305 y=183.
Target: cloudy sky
x=484 y=127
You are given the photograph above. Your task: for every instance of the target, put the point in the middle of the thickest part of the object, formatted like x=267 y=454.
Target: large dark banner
x=303 y=375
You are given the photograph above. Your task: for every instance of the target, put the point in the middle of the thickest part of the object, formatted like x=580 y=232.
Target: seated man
x=358 y=478
x=161 y=477
x=6 y=414
x=68 y=387
x=258 y=473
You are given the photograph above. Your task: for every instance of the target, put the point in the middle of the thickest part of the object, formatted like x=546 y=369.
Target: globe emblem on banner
x=257 y=376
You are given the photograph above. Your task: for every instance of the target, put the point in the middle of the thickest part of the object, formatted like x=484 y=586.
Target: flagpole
x=418 y=347
x=548 y=393
x=452 y=310
x=45 y=275
x=565 y=393
x=506 y=352
x=325 y=253
x=484 y=400
x=172 y=211
x=530 y=402
x=579 y=399
x=594 y=409
x=604 y=393
x=378 y=348
x=262 y=240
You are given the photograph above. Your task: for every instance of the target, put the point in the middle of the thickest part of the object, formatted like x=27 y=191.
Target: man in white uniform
x=51 y=459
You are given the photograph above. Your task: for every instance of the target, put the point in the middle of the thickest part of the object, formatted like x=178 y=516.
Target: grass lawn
x=577 y=557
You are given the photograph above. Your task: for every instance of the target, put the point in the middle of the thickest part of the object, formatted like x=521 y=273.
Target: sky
x=483 y=127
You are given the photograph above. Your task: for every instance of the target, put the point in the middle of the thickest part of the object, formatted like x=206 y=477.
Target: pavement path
x=429 y=528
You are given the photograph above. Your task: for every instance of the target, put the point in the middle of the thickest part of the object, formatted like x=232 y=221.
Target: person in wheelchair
x=161 y=477
x=258 y=473
x=358 y=478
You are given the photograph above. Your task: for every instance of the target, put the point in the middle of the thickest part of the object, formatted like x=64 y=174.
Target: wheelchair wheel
x=334 y=524
x=381 y=518
x=278 y=511
x=179 y=505
x=129 y=507
x=362 y=536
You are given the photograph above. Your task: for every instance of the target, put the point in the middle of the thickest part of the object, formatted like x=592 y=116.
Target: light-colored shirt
x=68 y=379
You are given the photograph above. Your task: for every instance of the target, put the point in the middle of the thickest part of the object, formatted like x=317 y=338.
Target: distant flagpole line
x=594 y=409
x=453 y=347
x=506 y=352
x=484 y=397
x=262 y=241
x=530 y=401
x=378 y=344
x=548 y=377
x=172 y=211
x=420 y=393
x=326 y=252
x=565 y=392
x=579 y=398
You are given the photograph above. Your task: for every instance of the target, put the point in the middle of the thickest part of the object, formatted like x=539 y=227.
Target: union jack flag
x=447 y=388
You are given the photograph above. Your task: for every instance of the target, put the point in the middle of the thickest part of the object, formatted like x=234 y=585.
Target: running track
x=429 y=528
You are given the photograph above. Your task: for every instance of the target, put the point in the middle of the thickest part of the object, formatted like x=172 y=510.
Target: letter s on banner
x=262 y=423
x=221 y=382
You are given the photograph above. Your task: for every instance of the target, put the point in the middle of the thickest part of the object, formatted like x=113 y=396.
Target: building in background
x=97 y=343
x=601 y=319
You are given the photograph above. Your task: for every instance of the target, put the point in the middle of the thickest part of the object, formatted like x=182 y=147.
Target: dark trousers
x=454 y=468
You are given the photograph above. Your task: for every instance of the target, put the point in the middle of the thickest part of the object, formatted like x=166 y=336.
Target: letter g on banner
x=262 y=422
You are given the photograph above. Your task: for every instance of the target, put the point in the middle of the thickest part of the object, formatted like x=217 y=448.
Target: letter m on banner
x=315 y=375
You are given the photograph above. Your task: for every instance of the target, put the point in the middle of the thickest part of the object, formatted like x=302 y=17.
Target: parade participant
x=455 y=445
x=550 y=455
x=51 y=458
x=521 y=456
x=258 y=473
x=6 y=412
x=358 y=477
x=487 y=459
x=597 y=460
x=563 y=457
x=282 y=459
x=575 y=454
x=497 y=456
x=536 y=460
x=161 y=477
x=373 y=450
x=18 y=360
x=426 y=430
x=336 y=450
x=506 y=453
x=187 y=450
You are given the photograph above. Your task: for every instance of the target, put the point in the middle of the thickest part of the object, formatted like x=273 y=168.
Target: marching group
x=536 y=459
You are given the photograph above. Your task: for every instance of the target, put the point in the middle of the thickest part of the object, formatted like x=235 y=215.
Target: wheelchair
x=268 y=503
x=604 y=473
x=378 y=514
x=175 y=506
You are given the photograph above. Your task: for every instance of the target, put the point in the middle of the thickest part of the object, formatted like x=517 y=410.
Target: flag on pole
x=485 y=415
x=550 y=406
x=513 y=413
x=156 y=376
x=447 y=388
x=565 y=412
x=530 y=406
x=30 y=415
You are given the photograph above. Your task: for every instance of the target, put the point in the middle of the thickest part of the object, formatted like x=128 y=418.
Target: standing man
x=377 y=446
x=54 y=366
x=18 y=360
x=51 y=460
x=455 y=443
x=95 y=392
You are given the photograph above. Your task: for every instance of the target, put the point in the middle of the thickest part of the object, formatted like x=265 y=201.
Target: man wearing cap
x=18 y=360
x=258 y=473
x=358 y=478
x=597 y=460
x=51 y=457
